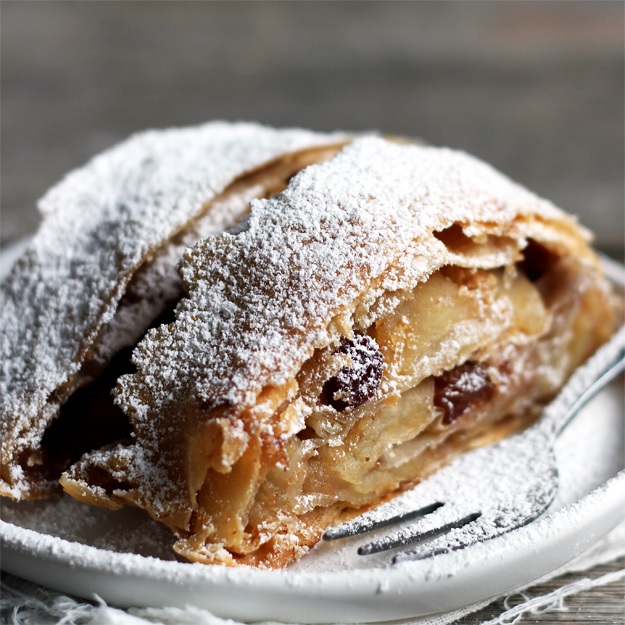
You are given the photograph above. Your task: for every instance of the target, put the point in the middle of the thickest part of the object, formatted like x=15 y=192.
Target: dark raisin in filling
x=355 y=384
x=456 y=391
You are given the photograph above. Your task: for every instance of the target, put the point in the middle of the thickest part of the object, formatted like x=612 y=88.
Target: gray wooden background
x=535 y=88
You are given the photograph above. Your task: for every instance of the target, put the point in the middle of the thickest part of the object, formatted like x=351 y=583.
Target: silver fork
x=489 y=491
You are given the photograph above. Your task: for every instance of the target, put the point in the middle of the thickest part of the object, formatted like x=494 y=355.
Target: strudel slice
x=102 y=269
x=392 y=307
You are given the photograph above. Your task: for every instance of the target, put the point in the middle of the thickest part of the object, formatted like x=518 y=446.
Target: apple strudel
x=391 y=307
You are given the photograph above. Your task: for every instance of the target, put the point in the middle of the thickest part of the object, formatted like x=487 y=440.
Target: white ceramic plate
x=124 y=557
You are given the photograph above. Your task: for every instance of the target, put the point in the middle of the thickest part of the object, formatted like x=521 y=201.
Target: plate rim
x=407 y=590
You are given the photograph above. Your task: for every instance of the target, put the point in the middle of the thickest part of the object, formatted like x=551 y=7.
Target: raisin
x=355 y=384
x=461 y=388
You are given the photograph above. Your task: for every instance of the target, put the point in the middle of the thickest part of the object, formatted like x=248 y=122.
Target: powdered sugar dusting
x=157 y=284
x=101 y=222
x=311 y=251
x=260 y=302
x=124 y=531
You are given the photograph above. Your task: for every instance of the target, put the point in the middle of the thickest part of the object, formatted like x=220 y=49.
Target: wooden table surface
x=536 y=88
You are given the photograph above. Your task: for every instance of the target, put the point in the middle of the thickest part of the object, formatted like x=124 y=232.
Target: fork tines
x=410 y=537
x=365 y=523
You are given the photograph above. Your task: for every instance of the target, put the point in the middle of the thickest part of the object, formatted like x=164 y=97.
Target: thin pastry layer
x=390 y=308
x=102 y=269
